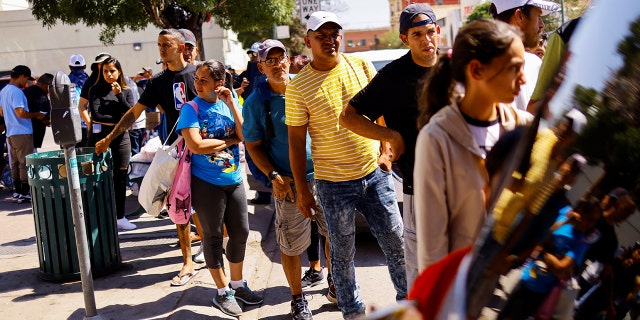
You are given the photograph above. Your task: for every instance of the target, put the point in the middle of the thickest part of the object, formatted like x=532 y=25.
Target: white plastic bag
x=148 y=151
x=156 y=183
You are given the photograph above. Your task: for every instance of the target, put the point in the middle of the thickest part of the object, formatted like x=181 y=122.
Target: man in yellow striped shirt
x=346 y=164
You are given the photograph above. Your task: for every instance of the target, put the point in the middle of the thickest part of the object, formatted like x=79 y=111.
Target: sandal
x=182 y=279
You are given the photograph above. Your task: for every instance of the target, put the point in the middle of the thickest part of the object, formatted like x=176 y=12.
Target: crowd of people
x=327 y=139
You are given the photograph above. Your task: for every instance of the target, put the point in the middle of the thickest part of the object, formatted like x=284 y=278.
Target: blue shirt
x=567 y=241
x=11 y=98
x=214 y=121
x=254 y=129
x=78 y=77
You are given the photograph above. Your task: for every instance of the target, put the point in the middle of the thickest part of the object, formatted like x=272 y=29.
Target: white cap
x=77 y=60
x=578 y=119
x=546 y=6
x=318 y=18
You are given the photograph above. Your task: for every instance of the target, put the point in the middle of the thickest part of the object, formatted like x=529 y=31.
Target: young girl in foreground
x=465 y=108
x=212 y=135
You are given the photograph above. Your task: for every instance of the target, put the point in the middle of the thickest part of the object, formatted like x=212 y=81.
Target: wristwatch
x=273 y=174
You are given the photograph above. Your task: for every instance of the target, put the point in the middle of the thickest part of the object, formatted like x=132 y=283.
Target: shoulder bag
x=179 y=198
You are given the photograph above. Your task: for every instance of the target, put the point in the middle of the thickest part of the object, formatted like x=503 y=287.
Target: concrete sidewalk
x=151 y=257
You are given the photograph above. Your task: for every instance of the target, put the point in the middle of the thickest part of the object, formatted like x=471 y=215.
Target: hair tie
x=449 y=52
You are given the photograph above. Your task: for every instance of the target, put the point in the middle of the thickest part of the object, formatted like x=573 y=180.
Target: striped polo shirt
x=316 y=98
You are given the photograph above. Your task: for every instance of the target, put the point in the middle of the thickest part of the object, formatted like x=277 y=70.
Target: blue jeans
x=374 y=196
x=136 y=135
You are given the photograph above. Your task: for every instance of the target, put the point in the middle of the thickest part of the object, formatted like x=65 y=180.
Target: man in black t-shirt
x=168 y=90
x=392 y=94
x=38 y=101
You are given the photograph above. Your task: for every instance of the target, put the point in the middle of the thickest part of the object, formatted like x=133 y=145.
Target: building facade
x=362 y=40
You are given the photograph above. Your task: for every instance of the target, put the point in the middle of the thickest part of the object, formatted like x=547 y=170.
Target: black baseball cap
x=412 y=10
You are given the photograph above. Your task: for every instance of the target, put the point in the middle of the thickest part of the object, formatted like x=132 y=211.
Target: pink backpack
x=179 y=198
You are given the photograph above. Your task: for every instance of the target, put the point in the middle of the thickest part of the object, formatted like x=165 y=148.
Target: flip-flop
x=184 y=278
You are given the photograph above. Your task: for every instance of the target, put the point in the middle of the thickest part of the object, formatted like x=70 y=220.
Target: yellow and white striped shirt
x=316 y=98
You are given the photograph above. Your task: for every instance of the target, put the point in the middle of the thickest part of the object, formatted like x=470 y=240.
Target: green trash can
x=51 y=206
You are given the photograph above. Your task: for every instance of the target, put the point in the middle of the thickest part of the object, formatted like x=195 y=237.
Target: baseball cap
x=254 y=47
x=21 y=70
x=267 y=45
x=147 y=69
x=546 y=6
x=189 y=38
x=46 y=79
x=579 y=120
x=410 y=11
x=101 y=57
x=77 y=60
x=318 y=18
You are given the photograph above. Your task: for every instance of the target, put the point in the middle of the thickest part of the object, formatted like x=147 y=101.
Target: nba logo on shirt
x=179 y=94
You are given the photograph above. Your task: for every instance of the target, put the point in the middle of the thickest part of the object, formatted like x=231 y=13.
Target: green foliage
x=295 y=43
x=481 y=11
x=585 y=97
x=116 y=16
x=391 y=40
x=612 y=135
x=250 y=15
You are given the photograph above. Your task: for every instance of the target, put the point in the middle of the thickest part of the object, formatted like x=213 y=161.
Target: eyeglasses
x=270 y=62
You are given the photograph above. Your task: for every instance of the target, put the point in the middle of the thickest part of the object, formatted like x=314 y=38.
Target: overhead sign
x=307 y=7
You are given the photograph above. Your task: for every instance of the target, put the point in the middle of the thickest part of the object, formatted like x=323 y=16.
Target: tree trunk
x=194 y=23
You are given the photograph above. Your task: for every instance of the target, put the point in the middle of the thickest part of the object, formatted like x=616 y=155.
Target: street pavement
x=140 y=288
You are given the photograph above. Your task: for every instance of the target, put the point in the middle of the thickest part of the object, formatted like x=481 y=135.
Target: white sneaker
x=124 y=224
x=199 y=257
x=135 y=189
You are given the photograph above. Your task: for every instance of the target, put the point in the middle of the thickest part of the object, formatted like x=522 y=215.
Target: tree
x=297 y=30
x=612 y=135
x=117 y=16
x=391 y=40
x=480 y=11
x=295 y=42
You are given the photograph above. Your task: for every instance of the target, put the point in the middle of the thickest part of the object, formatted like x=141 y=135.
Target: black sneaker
x=227 y=303
x=300 y=309
x=312 y=278
x=331 y=293
x=247 y=296
x=262 y=197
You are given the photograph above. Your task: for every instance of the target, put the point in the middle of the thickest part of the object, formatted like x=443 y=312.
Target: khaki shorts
x=293 y=230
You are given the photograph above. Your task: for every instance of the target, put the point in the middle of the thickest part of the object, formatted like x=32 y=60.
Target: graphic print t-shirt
x=214 y=121
x=170 y=90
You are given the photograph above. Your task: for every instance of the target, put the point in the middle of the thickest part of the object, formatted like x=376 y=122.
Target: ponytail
x=436 y=91
x=228 y=80
x=481 y=40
